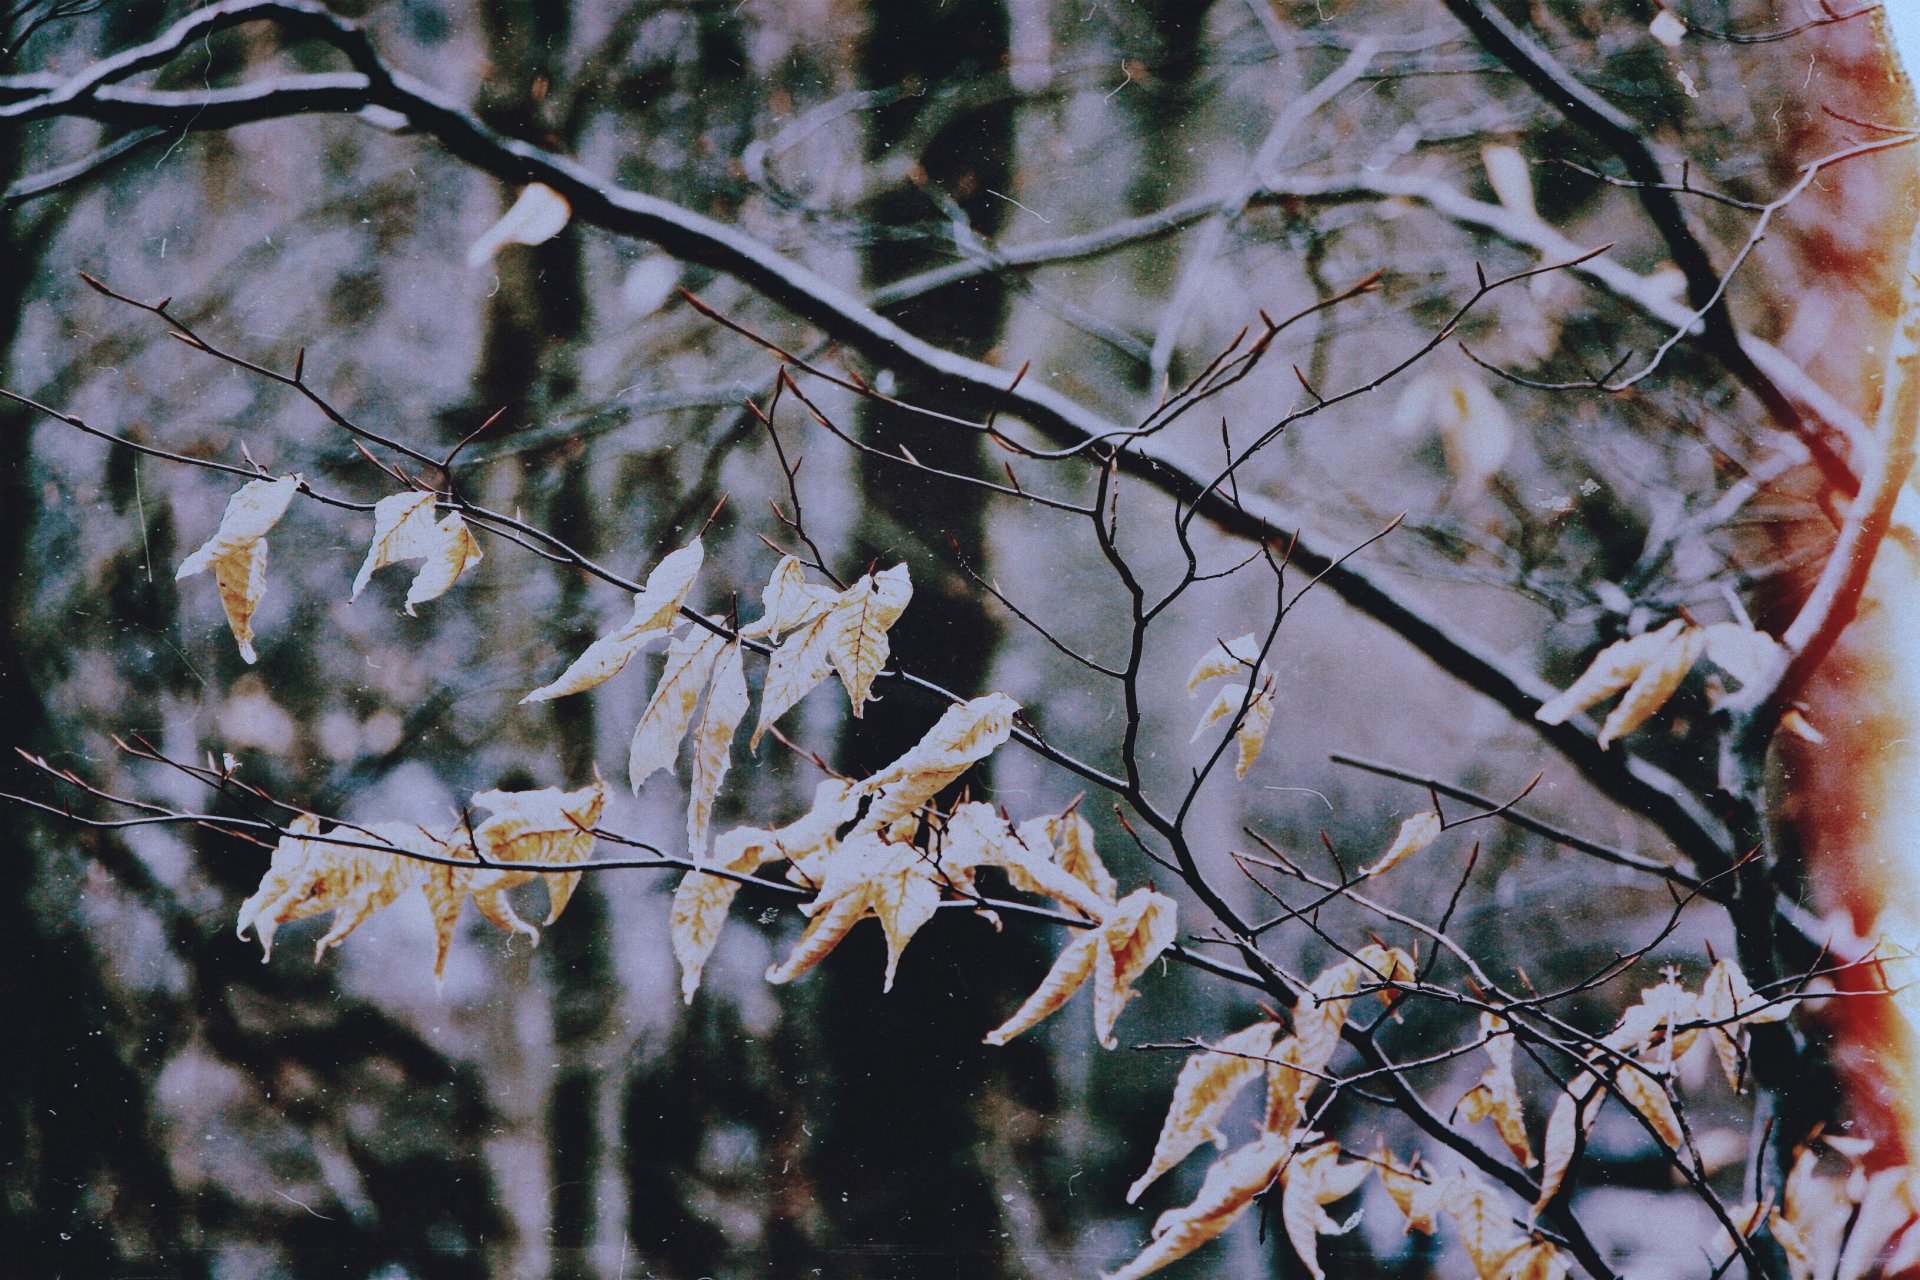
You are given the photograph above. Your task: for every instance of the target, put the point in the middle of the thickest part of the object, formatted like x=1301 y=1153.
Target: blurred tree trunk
x=903 y=1152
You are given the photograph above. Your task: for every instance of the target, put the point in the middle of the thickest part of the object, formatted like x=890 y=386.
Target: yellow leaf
x=1288 y=1087
x=965 y=734
x=1312 y=1180
x=1250 y=732
x=856 y=629
x=550 y=827
x=1209 y=1082
x=309 y=877
x=1140 y=928
x=1230 y=1186
x=1661 y=1020
x=1572 y=1118
x=1415 y=834
x=977 y=835
x=452 y=551
x=1728 y=1004
x=1486 y=1229
x=1227 y=658
x=1070 y=971
x=1613 y=669
x=656 y=739
x=1497 y=1096
x=1417 y=1198
x=865 y=876
x=789 y=601
x=1071 y=837
x=402 y=530
x=540 y=214
x=655 y=610
x=1322 y=1013
x=237 y=552
x=713 y=746
x=1535 y=1260
x=1644 y=1092
x=1653 y=686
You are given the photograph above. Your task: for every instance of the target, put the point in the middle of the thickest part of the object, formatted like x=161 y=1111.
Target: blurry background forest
x=1106 y=191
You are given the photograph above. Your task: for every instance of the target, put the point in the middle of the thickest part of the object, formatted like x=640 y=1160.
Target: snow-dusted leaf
x=1612 y=669
x=237 y=552
x=452 y=552
x=1230 y=1186
x=789 y=601
x=550 y=827
x=865 y=876
x=1652 y=687
x=713 y=745
x=1647 y=1095
x=977 y=835
x=537 y=216
x=1250 y=733
x=1418 y=1198
x=964 y=735
x=1415 y=834
x=1486 y=1228
x=656 y=738
x=1497 y=1096
x=857 y=629
x=1141 y=927
x=701 y=901
x=1475 y=432
x=802 y=661
x=1113 y=953
x=1572 y=1117
x=403 y=529
x=1208 y=1084
x=655 y=609
x=309 y=877
x=1312 y=1180
x=1237 y=657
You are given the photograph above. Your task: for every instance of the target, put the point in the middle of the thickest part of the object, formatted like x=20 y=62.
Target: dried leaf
x=549 y=826
x=1535 y=1260
x=1209 y=1082
x=1727 y=1003
x=403 y=529
x=857 y=627
x=1613 y=669
x=1239 y=657
x=453 y=551
x=865 y=876
x=1486 y=1229
x=1141 y=927
x=1250 y=733
x=1312 y=1180
x=789 y=601
x=1113 y=953
x=1497 y=1096
x=1572 y=1118
x=1322 y=1013
x=1653 y=686
x=540 y=214
x=1645 y=1094
x=1415 y=834
x=1417 y=1198
x=802 y=661
x=656 y=739
x=1230 y=1186
x=977 y=835
x=965 y=734
x=237 y=552
x=655 y=610
x=309 y=877
x=713 y=745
